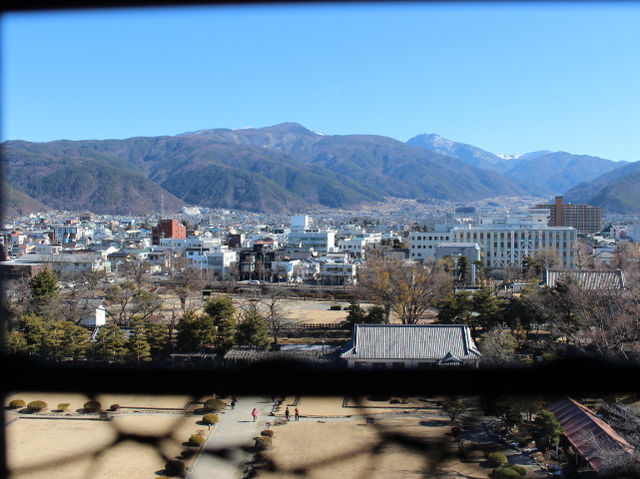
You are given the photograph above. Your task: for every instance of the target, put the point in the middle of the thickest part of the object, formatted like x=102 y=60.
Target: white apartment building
x=337 y=269
x=220 y=261
x=355 y=246
x=319 y=240
x=509 y=239
x=423 y=244
x=197 y=249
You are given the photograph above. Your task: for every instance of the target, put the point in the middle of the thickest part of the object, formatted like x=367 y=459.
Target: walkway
x=234 y=434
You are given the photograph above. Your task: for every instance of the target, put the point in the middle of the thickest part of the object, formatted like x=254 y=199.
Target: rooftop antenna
x=162 y=207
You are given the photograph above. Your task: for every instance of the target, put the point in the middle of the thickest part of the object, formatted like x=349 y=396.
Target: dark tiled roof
x=251 y=355
x=419 y=341
x=589 y=279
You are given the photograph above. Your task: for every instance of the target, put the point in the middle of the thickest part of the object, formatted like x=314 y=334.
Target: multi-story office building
x=168 y=229
x=509 y=240
x=584 y=218
x=319 y=240
x=422 y=244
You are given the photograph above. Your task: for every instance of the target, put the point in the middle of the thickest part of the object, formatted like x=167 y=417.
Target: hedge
x=114 y=407
x=210 y=419
x=63 y=406
x=16 y=403
x=36 y=405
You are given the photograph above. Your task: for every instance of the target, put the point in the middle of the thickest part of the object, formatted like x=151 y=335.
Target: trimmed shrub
x=497 y=459
x=210 y=419
x=196 y=440
x=36 y=405
x=114 y=407
x=63 y=406
x=175 y=468
x=214 y=405
x=335 y=307
x=92 y=406
x=506 y=472
x=263 y=443
x=267 y=433
x=519 y=469
x=187 y=454
x=17 y=403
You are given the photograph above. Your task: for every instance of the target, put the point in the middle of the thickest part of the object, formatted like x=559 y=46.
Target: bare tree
x=614 y=326
x=407 y=289
x=137 y=272
x=183 y=284
x=128 y=303
x=498 y=346
x=584 y=258
x=615 y=459
x=276 y=309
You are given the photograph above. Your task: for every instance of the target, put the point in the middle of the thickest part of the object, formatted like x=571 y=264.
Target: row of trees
x=217 y=329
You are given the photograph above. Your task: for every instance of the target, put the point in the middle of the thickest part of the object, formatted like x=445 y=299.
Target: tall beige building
x=584 y=218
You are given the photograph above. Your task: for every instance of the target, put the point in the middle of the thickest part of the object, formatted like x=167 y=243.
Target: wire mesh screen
x=310 y=422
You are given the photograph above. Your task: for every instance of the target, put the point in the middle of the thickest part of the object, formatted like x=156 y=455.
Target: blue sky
x=507 y=77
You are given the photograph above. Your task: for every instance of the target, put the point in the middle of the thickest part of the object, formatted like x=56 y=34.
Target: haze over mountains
x=282 y=168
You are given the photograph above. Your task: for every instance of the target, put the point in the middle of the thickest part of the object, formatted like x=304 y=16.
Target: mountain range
x=539 y=172
x=283 y=168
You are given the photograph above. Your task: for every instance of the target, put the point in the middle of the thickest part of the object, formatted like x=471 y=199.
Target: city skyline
x=508 y=78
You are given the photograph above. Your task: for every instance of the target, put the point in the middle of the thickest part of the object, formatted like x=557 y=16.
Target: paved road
x=234 y=433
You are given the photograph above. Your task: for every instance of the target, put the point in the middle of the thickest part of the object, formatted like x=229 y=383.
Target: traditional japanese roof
x=588 y=279
x=579 y=424
x=446 y=342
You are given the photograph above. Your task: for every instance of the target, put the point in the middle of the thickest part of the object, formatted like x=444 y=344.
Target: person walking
x=286 y=413
x=254 y=414
x=233 y=402
x=297 y=414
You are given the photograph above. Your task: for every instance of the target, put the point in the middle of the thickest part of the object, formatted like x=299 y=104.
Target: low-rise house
x=66 y=262
x=286 y=270
x=337 y=269
x=388 y=346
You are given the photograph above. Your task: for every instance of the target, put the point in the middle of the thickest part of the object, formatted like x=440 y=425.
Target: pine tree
x=139 y=348
x=546 y=430
x=158 y=338
x=195 y=332
x=253 y=331
x=31 y=336
x=489 y=309
x=44 y=292
x=111 y=343
x=223 y=312
x=68 y=340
